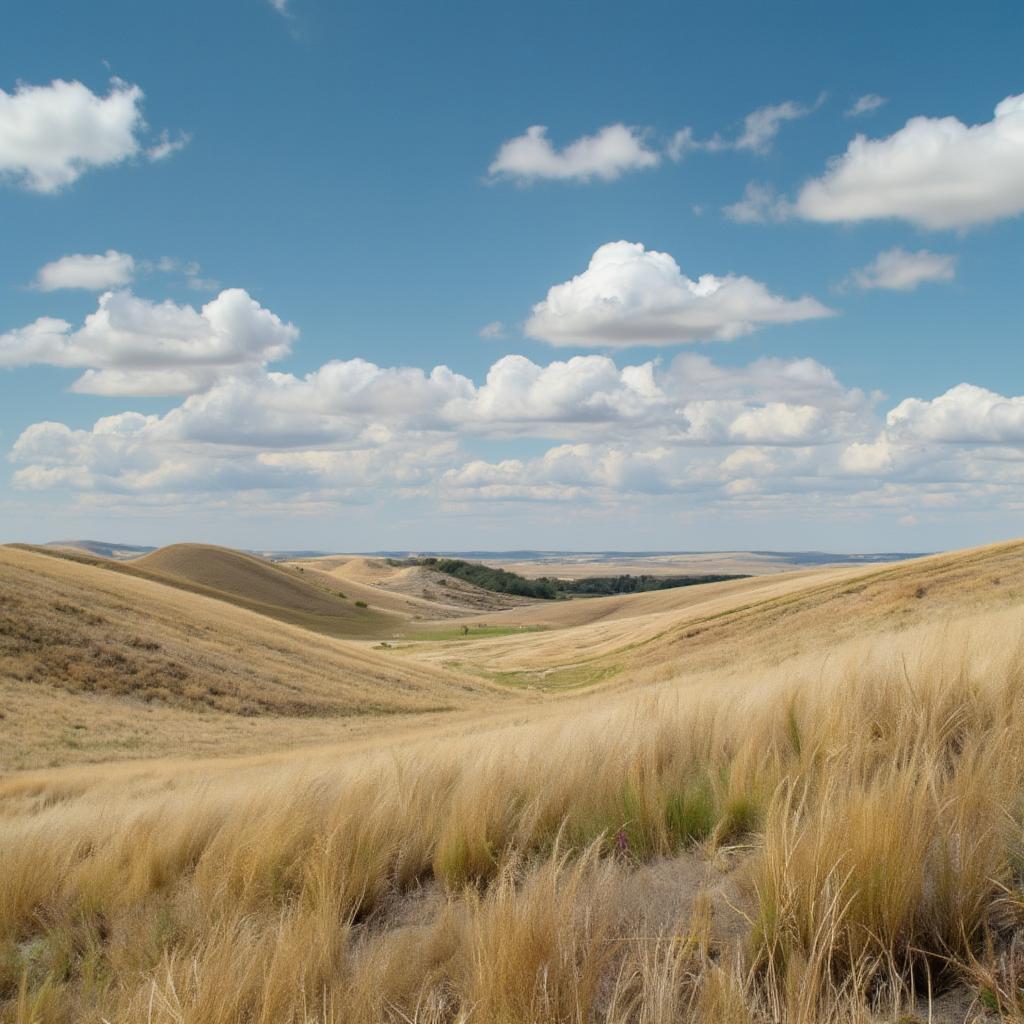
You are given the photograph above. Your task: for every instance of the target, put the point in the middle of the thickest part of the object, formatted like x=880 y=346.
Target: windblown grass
x=872 y=801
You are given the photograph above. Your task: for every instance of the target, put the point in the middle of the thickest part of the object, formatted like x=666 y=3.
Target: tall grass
x=872 y=803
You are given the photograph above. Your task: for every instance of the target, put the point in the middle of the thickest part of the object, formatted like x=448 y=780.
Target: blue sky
x=279 y=220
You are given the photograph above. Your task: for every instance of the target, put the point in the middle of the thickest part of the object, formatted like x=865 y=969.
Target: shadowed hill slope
x=100 y=664
x=246 y=576
x=250 y=582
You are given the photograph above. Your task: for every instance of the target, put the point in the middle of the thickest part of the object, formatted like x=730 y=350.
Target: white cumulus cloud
x=91 y=272
x=354 y=424
x=772 y=435
x=518 y=393
x=50 y=135
x=131 y=346
x=608 y=155
x=936 y=172
x=968 y=439
x=966 y=414
x=902 y=271
x=629 y=295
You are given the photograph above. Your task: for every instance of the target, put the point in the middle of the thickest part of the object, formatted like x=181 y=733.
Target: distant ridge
x=796 y=557
x=104 y=549
x=124 y=552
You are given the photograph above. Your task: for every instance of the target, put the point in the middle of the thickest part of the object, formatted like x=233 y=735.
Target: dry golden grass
x=722 y=626
x=97 y=664
x=279 y=592
x=827 y=830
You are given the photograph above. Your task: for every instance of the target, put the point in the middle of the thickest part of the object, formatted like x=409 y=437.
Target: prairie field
x=793 y=798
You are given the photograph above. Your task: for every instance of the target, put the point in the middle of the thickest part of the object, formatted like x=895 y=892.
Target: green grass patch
x=691 y=813
x=571 y=677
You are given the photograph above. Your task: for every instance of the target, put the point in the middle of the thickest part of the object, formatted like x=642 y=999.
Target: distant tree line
x=502 y=581
x=626 y=584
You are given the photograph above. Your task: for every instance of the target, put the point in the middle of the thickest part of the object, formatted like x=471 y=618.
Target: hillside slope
x=418 y=590
x=97 y=664
x=250 y=582
x=741 y=623
x=808 y=810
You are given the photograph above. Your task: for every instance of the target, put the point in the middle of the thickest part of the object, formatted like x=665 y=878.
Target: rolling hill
x=99 y=664
x=790 y=798
x=761 y=620
x=418 y=590
x=247 y=581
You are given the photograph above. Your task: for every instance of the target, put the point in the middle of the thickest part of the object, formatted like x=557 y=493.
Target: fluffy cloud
x=760 y=128
x=865 y=104
x=621 y=474
x=131 y=346
x=608 y=155
x=693 y=377
x=354 y=425
x=98 y=272
x=963 y=415
x=772 y=435
x=867 y=457
x=519 y=394
x=130 y=455
x=629 y=295
x=342 y=403
x=565 y=473
x=902 y=271
x=50 y=135
x=968 y=434
x=692 y=402
x=934 y=172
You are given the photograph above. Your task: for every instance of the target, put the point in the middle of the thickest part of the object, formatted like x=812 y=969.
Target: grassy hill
x=796 y=799
x=249 y=582
x=98 y=664
x=416 y=590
